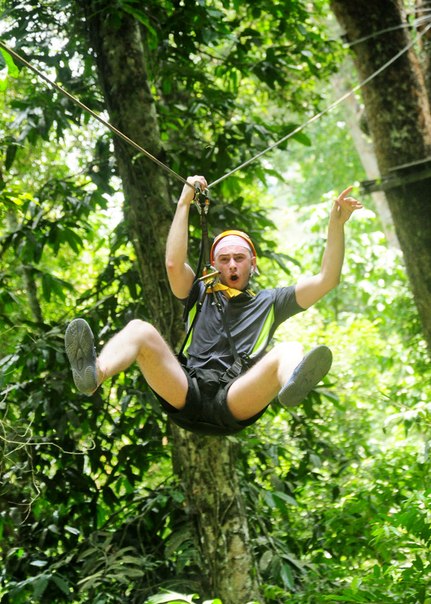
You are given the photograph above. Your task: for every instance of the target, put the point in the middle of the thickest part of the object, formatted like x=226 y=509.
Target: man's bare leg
x=253 y=391
x=138 y=341
x=285 y=372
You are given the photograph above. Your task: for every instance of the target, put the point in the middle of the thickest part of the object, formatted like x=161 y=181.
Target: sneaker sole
x=311 y=370
x=79 y=344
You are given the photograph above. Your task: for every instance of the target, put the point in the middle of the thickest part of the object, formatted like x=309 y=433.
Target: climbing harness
x=241 y=362
x=198 y=293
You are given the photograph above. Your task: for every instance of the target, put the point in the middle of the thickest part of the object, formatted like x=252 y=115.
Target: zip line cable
x=93 y=113
x=416 y=22
x=252 y=159
x=329 y=108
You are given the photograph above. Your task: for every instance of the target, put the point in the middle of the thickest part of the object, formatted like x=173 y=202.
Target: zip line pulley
x=202 y=202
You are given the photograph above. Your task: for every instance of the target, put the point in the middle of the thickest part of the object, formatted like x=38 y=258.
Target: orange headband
x=246 y=239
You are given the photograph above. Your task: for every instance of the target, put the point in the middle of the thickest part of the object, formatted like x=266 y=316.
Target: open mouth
x=234 y=278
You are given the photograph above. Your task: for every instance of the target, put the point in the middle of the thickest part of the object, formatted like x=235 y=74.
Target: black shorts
x=206 y=411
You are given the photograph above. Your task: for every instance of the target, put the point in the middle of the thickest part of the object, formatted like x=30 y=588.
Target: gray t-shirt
x=252 y=321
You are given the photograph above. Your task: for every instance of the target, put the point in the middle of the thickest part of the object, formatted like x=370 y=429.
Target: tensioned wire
x=329 y=108
x=314 y=118
x=376 y=34
x=70 y=96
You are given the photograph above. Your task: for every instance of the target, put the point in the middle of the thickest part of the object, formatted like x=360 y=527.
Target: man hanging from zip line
x=224 y=379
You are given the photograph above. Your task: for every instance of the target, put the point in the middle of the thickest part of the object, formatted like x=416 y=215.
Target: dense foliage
x=90 y=509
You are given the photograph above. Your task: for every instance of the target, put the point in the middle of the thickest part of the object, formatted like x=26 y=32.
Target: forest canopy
x=332 y=498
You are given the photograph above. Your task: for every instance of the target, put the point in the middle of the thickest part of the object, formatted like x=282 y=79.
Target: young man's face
x=235 y=264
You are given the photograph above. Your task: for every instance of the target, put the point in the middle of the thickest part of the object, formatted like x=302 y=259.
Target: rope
x=252 y=159
x=94 y=114
x=329 y=108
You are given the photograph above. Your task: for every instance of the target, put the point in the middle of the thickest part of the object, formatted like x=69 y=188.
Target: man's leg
x=138 y=341
x=283 y=371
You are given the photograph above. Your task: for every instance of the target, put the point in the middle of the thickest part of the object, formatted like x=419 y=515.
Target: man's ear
x=254 y=270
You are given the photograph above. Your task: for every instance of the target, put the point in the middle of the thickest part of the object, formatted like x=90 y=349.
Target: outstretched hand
x=344 y=205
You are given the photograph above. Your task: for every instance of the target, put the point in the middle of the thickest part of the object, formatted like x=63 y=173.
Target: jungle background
x=101 y=499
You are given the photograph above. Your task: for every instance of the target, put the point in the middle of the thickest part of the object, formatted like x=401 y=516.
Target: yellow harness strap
x=229 y=292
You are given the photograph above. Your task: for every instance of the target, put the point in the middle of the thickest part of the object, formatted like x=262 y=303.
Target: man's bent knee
x=142 y=333
x=289 y=349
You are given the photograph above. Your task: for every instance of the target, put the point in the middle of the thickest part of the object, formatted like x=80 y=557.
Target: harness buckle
x=241 y=364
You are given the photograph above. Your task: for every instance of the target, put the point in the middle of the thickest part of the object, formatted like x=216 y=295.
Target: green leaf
x=10 y=155
x=287 y=498
x=302 y=138
x=287 y=576
x=139 y=16
x=54 y=286
x=40 y=584
x=12 y=69
x=61 y=583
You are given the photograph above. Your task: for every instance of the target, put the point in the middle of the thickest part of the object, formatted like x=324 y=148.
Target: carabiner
x=202 y=199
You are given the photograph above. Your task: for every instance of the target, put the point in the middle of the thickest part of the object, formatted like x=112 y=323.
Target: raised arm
x=180 y=274
x=311 y=289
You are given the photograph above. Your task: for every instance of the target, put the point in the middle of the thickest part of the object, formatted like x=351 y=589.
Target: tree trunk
x=423 y=16
x=29 y=281
x=399 y=119
x=215 y=504
x=210 y=481
x=123 y=79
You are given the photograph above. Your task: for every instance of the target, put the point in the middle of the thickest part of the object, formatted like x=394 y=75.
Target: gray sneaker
x=313 y=367
x=79 y=343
